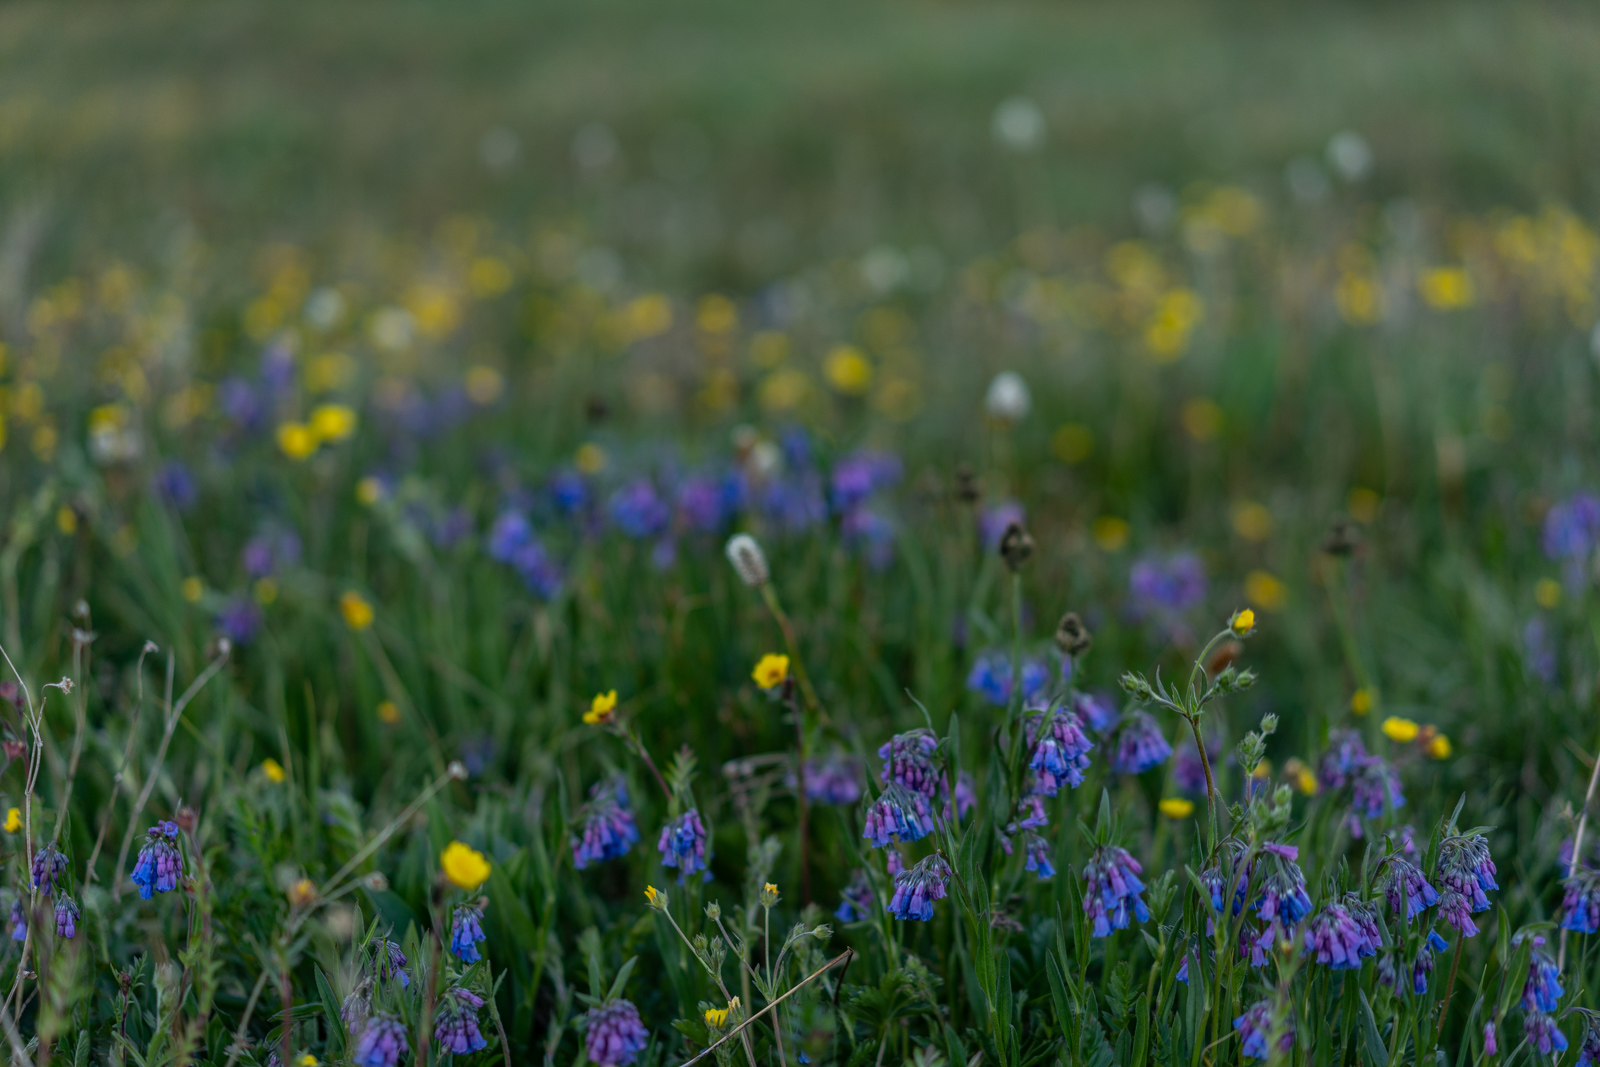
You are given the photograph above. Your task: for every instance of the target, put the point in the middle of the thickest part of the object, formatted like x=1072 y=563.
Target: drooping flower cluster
x=1542 y=991
x=1406 y=889
x=1345 y=755
x=1160 y=588
x=456 y=1026
x=916 y=888
x=683 y=844
x=897 y=815
x=389 y=962
x=833 y=779
x=1255 y=1031
x=67 y=916
x=1543 y=1033
x=1140 y=744
x=1390 y=968
x=1375 y=790
x=1113 y=893
x=1037 y=852
x=908 y=761
x=614 y=1034
x=990 y=677
x=1465 y=872
x=1096 y=711
x=466 y=931
x=1580 y=905
x=381 y=1043
x=160 y=864
x=855 y=899
x=47 y=868
x=1061 y=754
x=607 y=830
x=1282 y=899
x=1344 y=933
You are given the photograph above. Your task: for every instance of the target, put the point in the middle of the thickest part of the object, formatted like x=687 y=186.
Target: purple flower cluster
x=1344 y=933
x=1095 y=710
x=897 y=815
x=159 y=865
x=993 y=521
x=1188 y=772
x=273 y=550
x=174 y=484
x=389 y=962
x=990 y=677
x=1588 y=1052
x=1543 y=1033
x=1542 y=991
x=1282 y=885
x=67 y=916
x=1140 y=744
x=683 y=844
x=614 y=1034
x=855 y=899
x=456 y=1027
x=1255 y=1030
x=1389 y=967
x=1060 y=754
x=47 y=868
x=1580 y=906
x=638 y=510
x=1405 y=888
x=1465 y=872
x=966 y=796
x=1339 y=763
x=908 y=762
x=512 y=542
x=859 y=475
x=1375 y=790
x=1572 y=528
x=833 y=779
x=1037 y=852
x=381 y=1043
x=466 y=931
x=607 y=830
x=1113 y=890
x=916 y=888
x=19 y=921
x=1166 y=587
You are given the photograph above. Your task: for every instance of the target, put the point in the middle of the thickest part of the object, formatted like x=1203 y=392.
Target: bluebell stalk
x=1255 y=1030
x=1060 y=755
x=1112 y=895
x=466 y=931
x=1405 y=881
x=897 y=815
x=1465 y=873
x=683 y=844
x=381 y=1043
x=916 y=888
x=1140 y=744
x=1339 y=937
x=456 y=1026
x=607 y=830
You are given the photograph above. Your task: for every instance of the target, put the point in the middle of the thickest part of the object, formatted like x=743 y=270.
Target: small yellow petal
x=465 y=866
x=1401 y=730
x=1176 y=807
x=273 y=770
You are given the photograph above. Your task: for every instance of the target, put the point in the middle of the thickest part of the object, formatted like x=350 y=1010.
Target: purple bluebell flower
x=1491 y=1043
x=569 y=490
x=1389 y=971
x=990 y=677
x=381 y=1043
x=509 y=532
x=47 y=868
x=993 y=521
x=1061 y=754
x=638 y=510
x=1037 y=851
x=466 y=930
x=239 y=620
x=858 y=476
x=607 y=830
x=388 y=961
x=794 y=504
x=908 y=760
x=1572 y=528
x=19 y=921
x=1030 y=815
x=1140 y=745
x=615 y=1035
x=833 y=779
x=67 y=916
x=1539 y=651
x=1183 y=969
x=683 y=844
x=1465 y=873
x=270 y=551
x=1580 y=906
x=1340 y=935
x=1543 y=1033
x=159 y=864
x=897 y=815
x=1342 y=760
x=174 y=484
x=1588 y=1052
x=1542 y=991
x=1282 y=886
x=1376 y=790
x=1112 y=894
x=1255 y=1030
x=1097 y=711
x=1404 y=882
x=539 y=572
x=917 y=888
x=239 y=404
x=855 y=899
x=894 y=861
x=867 y=532
x=1161 y=588
x=456 y=1027
x=966 y=796
x=702 y=505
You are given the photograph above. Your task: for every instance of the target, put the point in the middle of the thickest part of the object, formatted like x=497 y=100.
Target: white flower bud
x=747 y=558
x=1008 y=398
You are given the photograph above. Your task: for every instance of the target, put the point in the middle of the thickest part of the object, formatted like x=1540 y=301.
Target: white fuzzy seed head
x=744 y=552
x=1008 y=398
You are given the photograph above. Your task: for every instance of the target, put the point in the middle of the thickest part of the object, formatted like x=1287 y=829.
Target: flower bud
x=1015 y=546
x=456 y=770
x=967 y=490
x=1072 y=636
x=187 y=819
x=769 y=895
x=714 y=911
x=377 y=881
x=744 y=552
x=302 y=893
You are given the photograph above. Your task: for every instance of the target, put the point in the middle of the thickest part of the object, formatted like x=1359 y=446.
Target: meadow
x=872 y=534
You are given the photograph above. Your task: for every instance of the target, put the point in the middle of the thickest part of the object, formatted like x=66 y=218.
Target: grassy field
x=381 y=386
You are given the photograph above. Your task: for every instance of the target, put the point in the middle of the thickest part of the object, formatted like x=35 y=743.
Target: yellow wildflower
x=484 y=385
x=66 y=520
x=1547 y=592
x=273 y=770
x=1110 y=533
x=717 y=1017
x=388 y=712
x=192 y=588
x=1401 y=730
x=1439 y=747
x=1301 y=777
x=1242 y=622
x=266 y=590
x=465 y=866
x=302 y=893
x=1251 y=520
x=601 y=709
x=655 y=897
x=356 y=611
x=773 y=670
x=1264 y=590
x=333 y=422
x=13 y=820
x=1446 y=288
x=591 y=459
x=1361 y=701
x=297 y=440
x=847 y=370
x=308 y=1060
x=369 y=490
x=1176 y=807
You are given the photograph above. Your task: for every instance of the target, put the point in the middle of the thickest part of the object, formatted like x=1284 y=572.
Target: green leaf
x=1377 y=1052
x=1516 y=976
x=621 y=979
x=330 y=1008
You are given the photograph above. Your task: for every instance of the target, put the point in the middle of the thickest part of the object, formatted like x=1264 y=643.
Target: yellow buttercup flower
x=1401 y=730
x=465 y=866
x=333 y=422
x=297 y=440
x=388 y=712
x=192 y=588
x=302 y=893
x=717 y=1017
x=13 y=820
x=1547 y=592
x=847 y=370
x=1263 y=770
x=1361 y=701
x=1176 y=807
x=369 y=490
x=308 y=1060
x=273 y=770
x=356 y=611
x=602 y=709
x=773 y=670
x=1301 y=776
x=655 y=897
x=1242 y=622
x=1264 y=590
x=1439 y=747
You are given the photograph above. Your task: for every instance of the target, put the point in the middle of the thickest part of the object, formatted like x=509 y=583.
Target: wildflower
x=357 y=1006
x=1406 y=882
x=1242 y=622
x=456 y=1026
x=1421 y=966
x=356 y=611
x=744 y=552
x=1255 y=1029
x=465 y=866
x=1439 y=747
x=381 y=1043
x=772 y=671
x=769 y=895
x=1061 y=754
x=602 y=709
x=855 y=899
x=1283 y=886
x=1030 y=814
x=1572 y=528
x=238 y=619
x=1037 y=851
x=333 y=422
x=1342 y=760
x=858 y=476
x=996 y=520
x=159 y=864
x=1301 y=777
x=897 y=815
x=1492 y=1046
x=966 y=796
x=1401 y=730
x=1008 y=398
x=1113 y=890
x=907 y=761
x=1542 y=1033
x=615 y=1035
x=466 y=930
x=176 y=485
x=1343 y=934
x=683 y=844
x=870 y=534
x=833 y=779
x=1166 y=587
x=1140 y=744
x=273 y=770
x=1176 y=807
x=655 y=898
x=297 y=440
x=1465 y=873
x=67 y=916
x=607 y=827
x=1588 y=1052
x=638 y=510
x=1361 y=702
x=716 y=1018
x=390 y=962
x=47 y=868
x=19 y=921
x=1376 y=790
x=1096 y=711
x=916 y=889
x=1580 y=907
x=13 y=820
